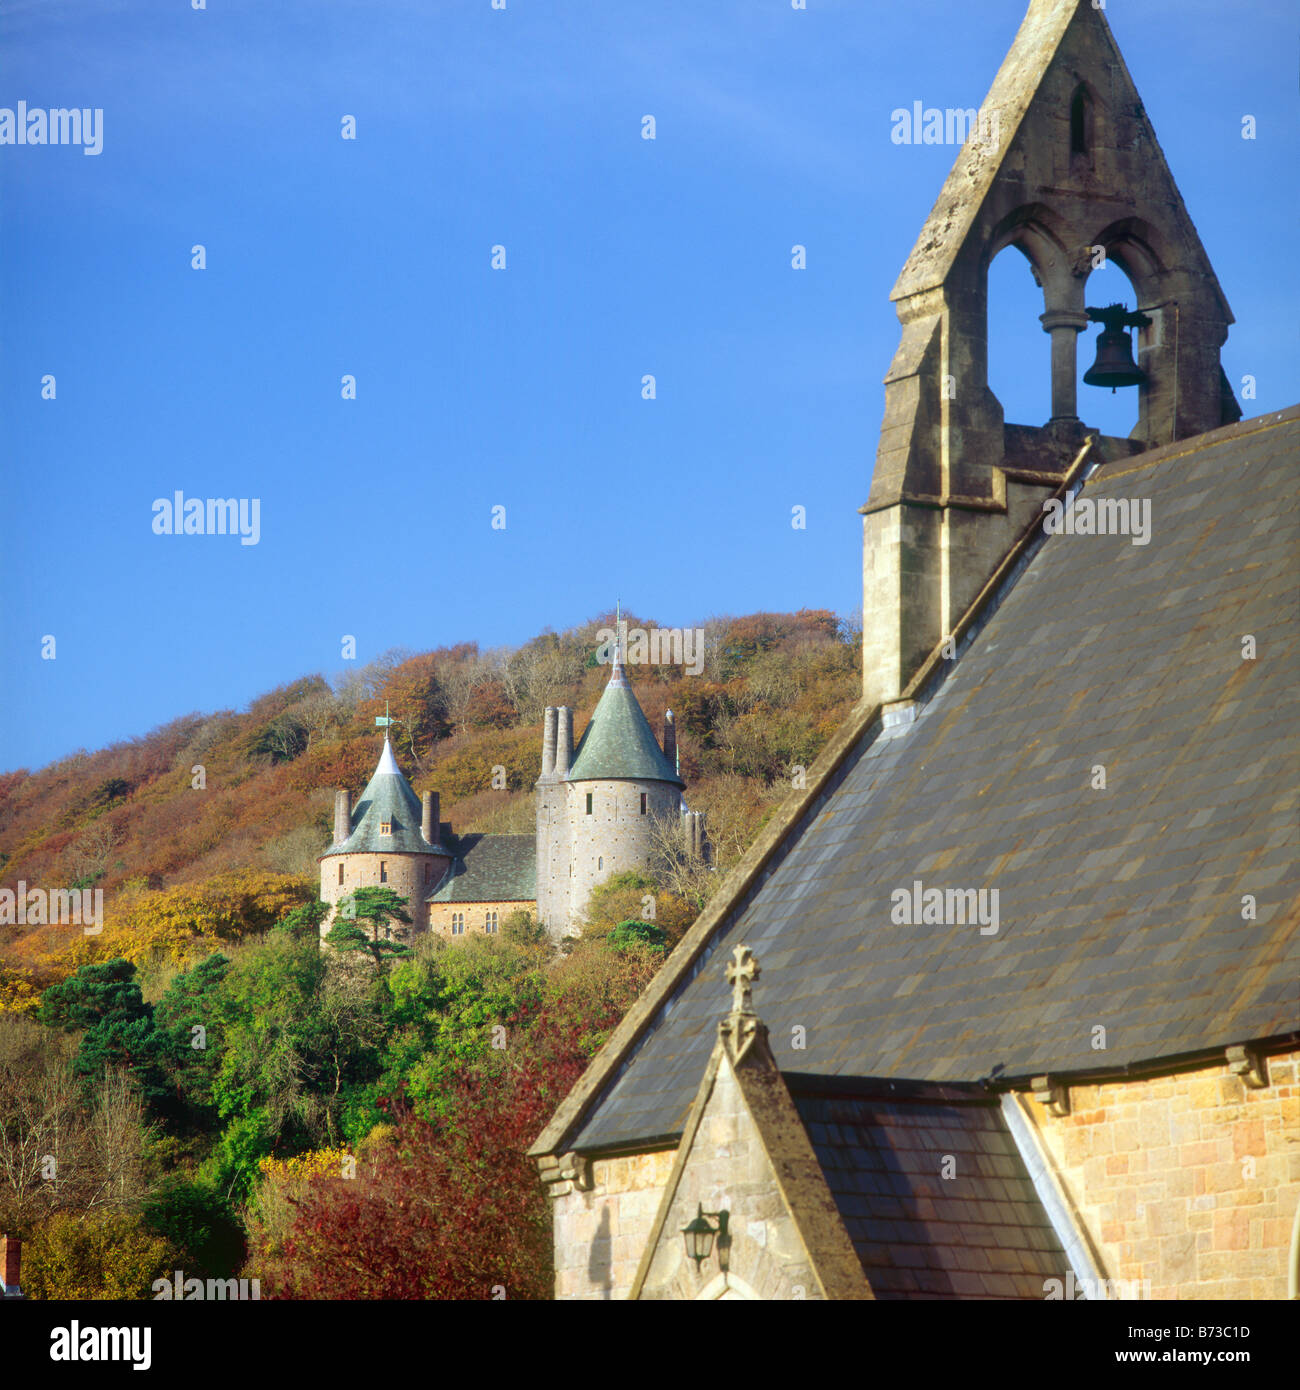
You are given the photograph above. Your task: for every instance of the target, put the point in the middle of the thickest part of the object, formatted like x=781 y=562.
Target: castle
x=598 y=808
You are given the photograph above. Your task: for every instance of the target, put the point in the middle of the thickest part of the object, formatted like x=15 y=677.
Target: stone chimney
x=563 y=740
x=429 y=817
x=342 y=815
x=548 y=742
x=695 y=836
x=670 y=739
x=11 y=1251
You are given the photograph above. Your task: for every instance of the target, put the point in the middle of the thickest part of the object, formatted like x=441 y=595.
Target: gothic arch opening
x=1114 y=414
x=1019 y=352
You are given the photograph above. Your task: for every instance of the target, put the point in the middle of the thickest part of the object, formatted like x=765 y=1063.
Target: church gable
x=1063 y=118
x=746 y=1161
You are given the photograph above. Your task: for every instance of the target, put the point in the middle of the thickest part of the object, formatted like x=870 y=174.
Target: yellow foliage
x=170 y=923
x=18 y=995
x=108 y=1255
x=319 y=1163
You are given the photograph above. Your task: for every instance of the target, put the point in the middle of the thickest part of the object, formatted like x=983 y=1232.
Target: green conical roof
x=618 y=742
x=388 y=797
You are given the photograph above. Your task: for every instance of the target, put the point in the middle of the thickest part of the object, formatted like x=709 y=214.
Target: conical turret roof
x=618 y=742
x=388 y=797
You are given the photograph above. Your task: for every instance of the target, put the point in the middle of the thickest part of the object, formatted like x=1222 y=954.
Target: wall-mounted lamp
x=700 y=1233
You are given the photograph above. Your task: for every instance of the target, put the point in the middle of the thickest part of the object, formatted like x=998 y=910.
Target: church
x=1005 y=1004
x=597 y=808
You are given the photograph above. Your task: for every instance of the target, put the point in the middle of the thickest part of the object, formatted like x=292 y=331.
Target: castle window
x=383 y=872
x=385 y=827
x=643 y=803
x=600 y=862
x=490 y=922
x=457 y=923
x=340 y=871
x=1081 y=121
x=428 y=871
x=589 y=796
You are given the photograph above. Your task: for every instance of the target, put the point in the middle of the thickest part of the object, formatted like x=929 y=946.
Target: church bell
x=1115 y=365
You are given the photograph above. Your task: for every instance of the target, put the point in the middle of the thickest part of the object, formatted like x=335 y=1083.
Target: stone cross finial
x=742 y=971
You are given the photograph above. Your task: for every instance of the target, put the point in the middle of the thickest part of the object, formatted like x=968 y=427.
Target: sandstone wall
x=1189 y=1181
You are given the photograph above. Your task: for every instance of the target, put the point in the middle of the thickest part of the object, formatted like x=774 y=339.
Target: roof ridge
x=1194 y=443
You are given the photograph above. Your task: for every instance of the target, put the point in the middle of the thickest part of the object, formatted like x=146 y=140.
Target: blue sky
x=519 y=388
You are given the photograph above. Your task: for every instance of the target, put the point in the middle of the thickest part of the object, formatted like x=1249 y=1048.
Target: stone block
x=1166 y=1218
x=1202 y=1153
x=1159 y=1159
x=1248 y=1138
x=1231 y=1229
x=1153 y=1126
x=1223 y=1177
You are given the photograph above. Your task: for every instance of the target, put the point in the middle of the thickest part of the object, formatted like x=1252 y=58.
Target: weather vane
x=385 y=720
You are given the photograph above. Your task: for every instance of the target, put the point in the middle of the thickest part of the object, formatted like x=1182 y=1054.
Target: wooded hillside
x=201 y=1088
x=180 y=863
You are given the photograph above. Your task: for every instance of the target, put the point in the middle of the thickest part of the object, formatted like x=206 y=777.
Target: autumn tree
x=107 y=1255
x=364 y=923
x=634 y=895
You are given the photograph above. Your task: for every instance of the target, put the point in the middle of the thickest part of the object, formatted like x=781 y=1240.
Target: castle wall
x=1189 y=1181
x=438 y=916
x=552 y=856
x=615 y=837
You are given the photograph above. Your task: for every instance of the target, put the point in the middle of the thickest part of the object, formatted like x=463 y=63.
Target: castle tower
x=390 y=839
x=596 y=810
x=1065 y=166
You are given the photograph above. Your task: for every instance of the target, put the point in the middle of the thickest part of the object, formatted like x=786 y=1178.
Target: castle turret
x=388 y=840
x=596 y=811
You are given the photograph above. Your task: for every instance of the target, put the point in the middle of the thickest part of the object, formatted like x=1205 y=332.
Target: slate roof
x=388 y=797
x=618 y=742
x=981 y=1233
x=1119 y=908
x=489 y=868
